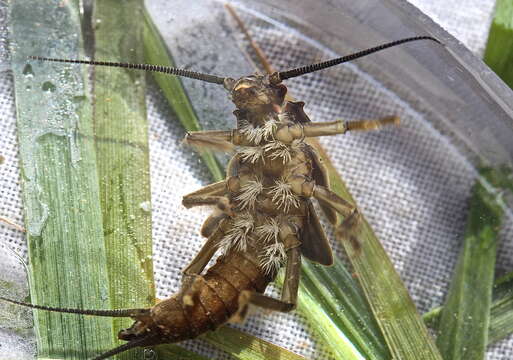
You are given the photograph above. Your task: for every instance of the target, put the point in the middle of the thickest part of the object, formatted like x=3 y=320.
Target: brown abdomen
x=212 y=299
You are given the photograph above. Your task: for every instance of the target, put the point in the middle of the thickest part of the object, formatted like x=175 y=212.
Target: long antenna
x=146 y=67
x=283 y=75
x=110 y=313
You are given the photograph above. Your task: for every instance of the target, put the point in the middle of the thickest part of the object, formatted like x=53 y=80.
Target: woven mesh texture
x=410 y=182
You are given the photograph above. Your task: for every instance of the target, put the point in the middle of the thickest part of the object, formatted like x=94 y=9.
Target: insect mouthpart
x=136 y=330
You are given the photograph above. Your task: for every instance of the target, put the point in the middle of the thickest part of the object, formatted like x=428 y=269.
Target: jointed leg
x=329 y=198
x=192 y=279
x=192 y=272
x=349 y=225
x=201 y=260
x=292 y=277
x=287 y=133
x=225 y=140
x=219 y=140
x=289 y=292
x=303 y=187
x=212 y=223
x=366 y=125
x=214 y=189
x=191 y=201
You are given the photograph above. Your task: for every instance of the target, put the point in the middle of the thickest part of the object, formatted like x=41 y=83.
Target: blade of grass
x=68 y=263
x=501 y=311
x=499 y=48
x=483 y=224
x=464 y=321
x=69 y=161
x=156 y=53
x=405 y=333
x=335 y=287
x=121 y=133
x=327 y=325
x=337 y=312
x=123 y=163
x=247 y=347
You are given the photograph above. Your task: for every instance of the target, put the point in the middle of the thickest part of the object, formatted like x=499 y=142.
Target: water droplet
x=27 y=71
x=48 y=86
x=145 y=206
x=149 y=354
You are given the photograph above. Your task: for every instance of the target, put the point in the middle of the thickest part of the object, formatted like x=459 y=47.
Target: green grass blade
x=501 y=312
x=338 y=297
x=327 y=325
x=477 y=261
x=247 y=347
x=68 y=262
x=123 y=163
x=89 y=238
x=121 y=133
x=464 y=321
x=499 y=48
x=403 y=329
x=156 y=53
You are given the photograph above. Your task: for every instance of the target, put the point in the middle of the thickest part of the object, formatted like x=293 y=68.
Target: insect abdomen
x=211 y=300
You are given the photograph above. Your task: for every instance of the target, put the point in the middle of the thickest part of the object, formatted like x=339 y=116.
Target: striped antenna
x=110 y=313
x=284 y=75
x=146 y=67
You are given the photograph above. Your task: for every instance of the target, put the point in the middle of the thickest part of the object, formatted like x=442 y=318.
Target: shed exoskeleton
x=263 y=217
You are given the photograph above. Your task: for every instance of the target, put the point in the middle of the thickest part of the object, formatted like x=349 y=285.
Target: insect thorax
x=267 y=215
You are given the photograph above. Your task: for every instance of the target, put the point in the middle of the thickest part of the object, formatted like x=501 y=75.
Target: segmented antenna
x=146 y=67
x=283 y=75
x=110 y=313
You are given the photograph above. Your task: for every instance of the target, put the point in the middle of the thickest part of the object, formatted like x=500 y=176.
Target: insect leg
x=287 y=133
x=208 y=250
x=191 y=278
x=201 y=200
x=288 y=299
x=366 y=125
x=349 y=226
x=292 y=276
x=221 y=140
x=329 y=198
x=215 y=189
x=264 y=301
x=212 y=223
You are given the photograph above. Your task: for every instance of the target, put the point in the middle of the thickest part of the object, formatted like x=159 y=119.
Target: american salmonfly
x=263 y=217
